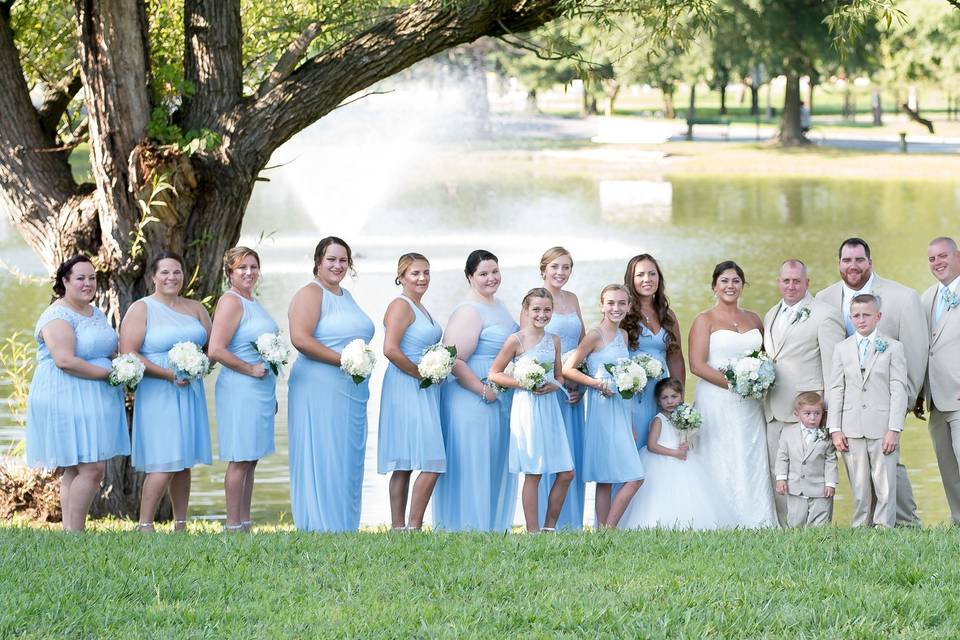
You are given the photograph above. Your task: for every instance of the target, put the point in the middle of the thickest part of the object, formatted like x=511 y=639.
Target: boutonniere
x=880 y=345
x=801 y=315
x=820 y=435
x=952 y=300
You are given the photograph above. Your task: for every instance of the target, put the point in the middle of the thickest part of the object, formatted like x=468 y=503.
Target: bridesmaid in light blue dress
x=610 y=454
x=171 y=432
x=327 y=411
x=652 y=329
x=246 y=387
x=75 y=420
x=409 y=436
x=477 y=492
x=556 y=266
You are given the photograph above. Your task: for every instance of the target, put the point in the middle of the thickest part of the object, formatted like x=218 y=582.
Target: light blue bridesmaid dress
x=246 y=406
x=609 y=452
x=73 y=420
x=409 y=435
x=538 y=439
x=327 y=424
x=644 y=405
x=478 y=491
x=171 y=431
x=569 y=328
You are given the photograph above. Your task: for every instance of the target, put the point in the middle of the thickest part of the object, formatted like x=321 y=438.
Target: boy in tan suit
x=806 y=466
x=868 y=401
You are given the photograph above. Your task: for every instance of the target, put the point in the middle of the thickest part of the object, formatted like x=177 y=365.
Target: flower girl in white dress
x=677 y=493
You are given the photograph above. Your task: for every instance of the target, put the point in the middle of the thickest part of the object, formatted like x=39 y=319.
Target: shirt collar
x=951 y=285
x=787 y=308
x=867 y=288
x=871 y=337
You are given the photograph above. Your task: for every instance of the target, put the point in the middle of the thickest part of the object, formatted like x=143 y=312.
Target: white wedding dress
x=732 y=443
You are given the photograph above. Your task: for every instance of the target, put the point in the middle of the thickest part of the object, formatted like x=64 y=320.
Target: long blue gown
x=171 y=431
x=409 y=435
x=246 y=406
x=609 y=452
x=327 y=424
x=569 y=328
x=644 y=405
x=477 y=492
x=73 y=420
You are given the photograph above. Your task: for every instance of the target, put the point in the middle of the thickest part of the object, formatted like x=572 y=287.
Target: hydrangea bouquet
x=652 y=366
x=751 y=375
x=436 y=364
x=188 y=360
x=629 y=376
x=529 y=372
x=273 y=350
x=357 y=360
x=686 y=418
x=127 y=371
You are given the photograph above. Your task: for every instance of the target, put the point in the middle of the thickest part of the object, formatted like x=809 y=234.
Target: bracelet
x=483 y=394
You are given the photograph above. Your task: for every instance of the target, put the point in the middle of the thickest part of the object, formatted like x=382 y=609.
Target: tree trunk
x=612 y=90
x=810 y=89
x=531 y=102
x=692 y=108
x=754 y=100
x=668 y=108
x=790 y=134
x=723 y=99
x=877 y=108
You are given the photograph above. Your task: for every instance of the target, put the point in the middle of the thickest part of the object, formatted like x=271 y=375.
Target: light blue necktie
x=941 y=305
x=864 y=345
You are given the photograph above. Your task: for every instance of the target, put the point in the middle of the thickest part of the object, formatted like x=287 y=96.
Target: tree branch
x=290 y=58
x=56 y=99
x=213 y=62
x=955 y=3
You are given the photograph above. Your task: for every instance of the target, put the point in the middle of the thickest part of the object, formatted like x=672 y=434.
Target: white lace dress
x=732 y=443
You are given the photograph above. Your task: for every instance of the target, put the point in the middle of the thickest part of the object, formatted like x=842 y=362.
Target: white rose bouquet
x=273 y=350
x=630 y=377
x=751 y=375
x=436 y=364
x=357 y=360
x=188 y=360
x=686 y=418
x=127 y=371
x=652 y=366
x=529 y=372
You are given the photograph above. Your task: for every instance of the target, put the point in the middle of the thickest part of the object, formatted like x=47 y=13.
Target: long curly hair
x=661 y=304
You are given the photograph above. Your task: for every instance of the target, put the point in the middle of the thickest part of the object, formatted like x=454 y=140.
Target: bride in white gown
x=732 y=442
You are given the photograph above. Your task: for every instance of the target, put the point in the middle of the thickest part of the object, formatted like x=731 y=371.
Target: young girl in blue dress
x=538 y=439
x=609 y=450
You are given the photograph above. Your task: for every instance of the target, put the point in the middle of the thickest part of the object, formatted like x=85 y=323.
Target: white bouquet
x=529 y=372
x=652 y=366
x=188 y=360
x=686 y=418
x=126 y=370
x=357 y=360
x=630 y=376
x=751 y=375
x=273 y=350
x=436 y=364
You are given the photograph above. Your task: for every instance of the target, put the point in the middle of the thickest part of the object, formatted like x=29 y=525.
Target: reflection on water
x=517 y=206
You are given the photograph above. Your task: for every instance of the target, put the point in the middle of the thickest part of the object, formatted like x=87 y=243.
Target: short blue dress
x=644 y=405
x=409 y=435
x=477 y=492
x=538 y=439
x=73 y=420
x=569 y=327
x=246 y=406
x=171 y=431
x=609 y=451
x=327 y=424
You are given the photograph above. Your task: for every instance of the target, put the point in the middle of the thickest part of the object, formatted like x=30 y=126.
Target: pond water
x=604 y=204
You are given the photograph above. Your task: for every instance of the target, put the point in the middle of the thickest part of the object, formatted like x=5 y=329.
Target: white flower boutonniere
x=880 y=345
x=820 y=435
x=801 y=316
x=952 y=300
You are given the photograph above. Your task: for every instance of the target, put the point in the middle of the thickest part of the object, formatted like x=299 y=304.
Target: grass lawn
x=829 y=583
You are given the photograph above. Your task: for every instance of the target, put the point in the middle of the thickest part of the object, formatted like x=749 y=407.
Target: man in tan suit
x=902 y=319
x=941 y=304
x=799 y=335
x=806 y=466
x=868 y=393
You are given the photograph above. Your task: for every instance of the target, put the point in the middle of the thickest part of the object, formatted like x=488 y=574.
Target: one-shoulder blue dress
x=644 y=405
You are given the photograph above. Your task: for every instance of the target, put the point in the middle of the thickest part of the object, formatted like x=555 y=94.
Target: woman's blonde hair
x=613 y=287
x=552 y=254
x=233 y=257
x=536 y=292
x=404 y=263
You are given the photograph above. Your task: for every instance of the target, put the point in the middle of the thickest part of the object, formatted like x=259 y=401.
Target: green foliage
x=160 y=184
x=45 y=34
x=813 y=583
x=17 y=362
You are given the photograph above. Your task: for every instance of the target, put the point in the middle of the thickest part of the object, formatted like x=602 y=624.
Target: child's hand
x=839 y=441
x=682 y=451
x=574 y=394
x=545 y=389
x=782 y=487
x=828 y=492
x=890 y=442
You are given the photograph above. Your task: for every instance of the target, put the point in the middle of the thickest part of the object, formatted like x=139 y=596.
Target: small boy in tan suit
x=806 y=466
x=868 y=402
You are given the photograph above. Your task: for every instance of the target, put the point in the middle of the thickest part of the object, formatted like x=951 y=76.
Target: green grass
x=801 y=584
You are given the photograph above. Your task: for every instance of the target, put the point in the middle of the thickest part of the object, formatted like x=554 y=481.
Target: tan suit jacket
x=807 y=471
x=869 y=403
x=902 y=320
x=942 y=386
x=802 y=356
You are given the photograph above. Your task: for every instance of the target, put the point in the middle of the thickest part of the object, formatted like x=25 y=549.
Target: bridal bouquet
x=273 y=350
x=126 y=370
x=751 y=375
x=629 y=375
x=436 y=364
x=357 y=360
x=686 y=418
x=188 y=360
x=652 y=366
x=529 y=372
